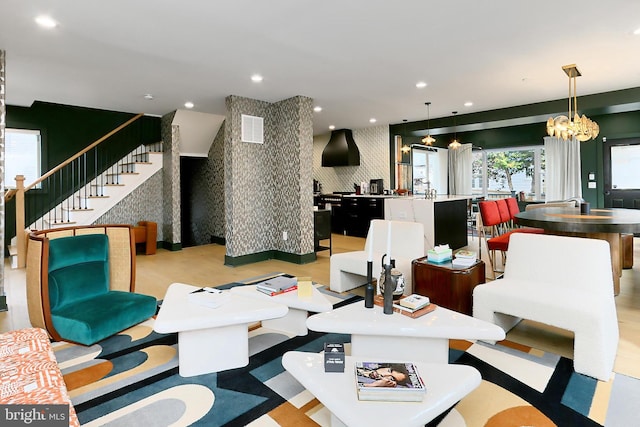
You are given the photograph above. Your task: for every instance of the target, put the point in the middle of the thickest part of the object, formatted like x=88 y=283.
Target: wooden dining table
x=606 y=224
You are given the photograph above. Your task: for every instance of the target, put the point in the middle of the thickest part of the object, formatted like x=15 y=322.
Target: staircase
x=87 y=204
x=95 y=199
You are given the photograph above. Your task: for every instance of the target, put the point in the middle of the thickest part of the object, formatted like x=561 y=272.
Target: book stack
x=278 y=285
x=411 y=312
x=396 y=382
x=439 y=254
x=464 y=259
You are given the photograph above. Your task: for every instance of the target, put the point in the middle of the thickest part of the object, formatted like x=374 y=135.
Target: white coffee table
x=299 y=307
x=211 y=339
x=446 y=385
x=400 y=337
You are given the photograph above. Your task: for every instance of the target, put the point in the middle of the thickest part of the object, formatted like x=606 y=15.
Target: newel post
x=21 y=237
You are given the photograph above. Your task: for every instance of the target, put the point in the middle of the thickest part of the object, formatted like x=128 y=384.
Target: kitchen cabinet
x=322 y=230
x=358 y=211
x=444 y=218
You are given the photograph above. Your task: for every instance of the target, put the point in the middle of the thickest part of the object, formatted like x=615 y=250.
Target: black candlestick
x=368 y=292
x=387 y=307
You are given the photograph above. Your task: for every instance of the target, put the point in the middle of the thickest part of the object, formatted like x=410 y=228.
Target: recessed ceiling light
x=46 y=21
x=332 y=127
x=637 y=32
x=188 y=104
x=421 y=85
x=256 y=78
x=317 y=108
x=148 y=97
x=468 y=104
x=372 y=120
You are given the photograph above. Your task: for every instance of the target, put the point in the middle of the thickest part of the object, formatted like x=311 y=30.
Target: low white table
x=211 y=339
x=295 y=320
x=446 y=385
x=400 y=337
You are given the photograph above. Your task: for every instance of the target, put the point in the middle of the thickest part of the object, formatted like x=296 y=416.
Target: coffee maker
x=376 y=186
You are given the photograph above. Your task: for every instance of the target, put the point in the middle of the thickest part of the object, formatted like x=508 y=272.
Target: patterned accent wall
x=248 y=182
x=171 y=230
x=292 y=160
x=268 y=186
x=3 y=113
x=373 y=144
x=143 y=204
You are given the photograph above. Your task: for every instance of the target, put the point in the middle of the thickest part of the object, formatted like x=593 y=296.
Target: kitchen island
x=444 y=218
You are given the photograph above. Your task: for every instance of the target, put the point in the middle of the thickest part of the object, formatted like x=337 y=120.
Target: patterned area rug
x=132 y=379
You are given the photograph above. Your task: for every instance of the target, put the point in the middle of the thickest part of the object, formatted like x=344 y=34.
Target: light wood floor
x=204 y=266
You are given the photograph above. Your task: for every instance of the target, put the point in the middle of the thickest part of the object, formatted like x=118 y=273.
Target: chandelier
x=428 y=140
x=454 y=144
x=580 y=128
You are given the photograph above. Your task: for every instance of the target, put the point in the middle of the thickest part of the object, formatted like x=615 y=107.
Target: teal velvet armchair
x=80 y=283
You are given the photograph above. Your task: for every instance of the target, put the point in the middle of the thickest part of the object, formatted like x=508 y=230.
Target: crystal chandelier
x=580 y=128
x=454 y=144
x=428 y=140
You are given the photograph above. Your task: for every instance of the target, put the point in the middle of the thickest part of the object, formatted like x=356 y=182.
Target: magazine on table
x=278 y=283
x=399 y=382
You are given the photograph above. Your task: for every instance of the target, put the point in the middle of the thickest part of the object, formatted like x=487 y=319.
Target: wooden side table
x=446 y=286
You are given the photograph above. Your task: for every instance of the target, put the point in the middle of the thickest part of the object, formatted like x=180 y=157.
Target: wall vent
x=252 y=129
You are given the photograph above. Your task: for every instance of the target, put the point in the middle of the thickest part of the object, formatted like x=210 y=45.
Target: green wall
x=66 y=130
x=617 y=113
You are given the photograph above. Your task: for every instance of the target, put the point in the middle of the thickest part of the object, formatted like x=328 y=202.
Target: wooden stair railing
x=21 y=189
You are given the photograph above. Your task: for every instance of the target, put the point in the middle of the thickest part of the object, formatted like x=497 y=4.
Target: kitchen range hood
x=341 y=150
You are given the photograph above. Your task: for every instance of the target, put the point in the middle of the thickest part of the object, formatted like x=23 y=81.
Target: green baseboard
x=267 y=255
x=170 y=246
x=218 y=240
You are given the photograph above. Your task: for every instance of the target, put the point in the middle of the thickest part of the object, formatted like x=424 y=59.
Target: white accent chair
x=349 y=270
x=560 y=281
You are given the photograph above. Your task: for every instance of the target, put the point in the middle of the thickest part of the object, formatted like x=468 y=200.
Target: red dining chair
x=514 y=209
x=488 y=226
x=495 y=228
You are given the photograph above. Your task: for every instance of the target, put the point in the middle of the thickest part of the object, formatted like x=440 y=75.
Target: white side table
x=400 y=337
x=446 y=385
x=299 y=308
x=211 y=339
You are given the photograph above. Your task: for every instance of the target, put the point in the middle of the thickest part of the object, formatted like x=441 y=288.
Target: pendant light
x=428 y=140
x=454 y=144
x=405 y=148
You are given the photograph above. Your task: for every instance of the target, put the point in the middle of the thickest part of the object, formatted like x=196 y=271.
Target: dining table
x=606 y=224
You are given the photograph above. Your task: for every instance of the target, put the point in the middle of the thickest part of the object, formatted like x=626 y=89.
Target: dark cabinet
x=358 y=213
x=322 y=230
x=446 y=286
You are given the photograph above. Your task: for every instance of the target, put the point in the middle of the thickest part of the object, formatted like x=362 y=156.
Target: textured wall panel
x=171 y=179
x=268 y=186
x=373 y=144
x=292 y=155
x=142 y=204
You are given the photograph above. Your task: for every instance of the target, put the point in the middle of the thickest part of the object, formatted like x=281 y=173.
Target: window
x=22 y=156
x=510 y=172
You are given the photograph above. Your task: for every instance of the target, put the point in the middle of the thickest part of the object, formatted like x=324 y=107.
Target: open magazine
x=389 y=381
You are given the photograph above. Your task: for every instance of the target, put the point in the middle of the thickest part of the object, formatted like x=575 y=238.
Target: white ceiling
x=357 y=59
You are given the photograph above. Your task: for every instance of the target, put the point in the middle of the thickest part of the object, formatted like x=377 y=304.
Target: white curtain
x=562 y=164
x=460 y=170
